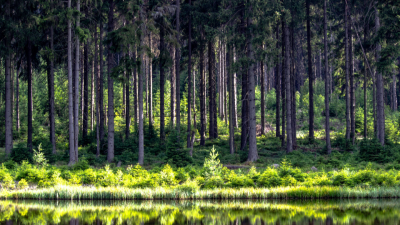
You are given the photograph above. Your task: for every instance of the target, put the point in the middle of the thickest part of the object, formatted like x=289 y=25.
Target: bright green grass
x=122 y=193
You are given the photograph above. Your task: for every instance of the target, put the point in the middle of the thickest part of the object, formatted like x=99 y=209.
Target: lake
x=201 y=212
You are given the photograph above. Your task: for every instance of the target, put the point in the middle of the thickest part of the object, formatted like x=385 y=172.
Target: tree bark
x=51 y=94
x=97 y=87
x=262 y=98
x=394 y=93
x=283 y=83
x=327 y=88
x=162 y=83
x=76 y=84
x=8 y=106
x=140 y=88
x=17 y=125
x=72 y=156
x=253 y=153
x=101 y=82
x=244 y=97
x=177 y=70
x=235 y=119
x=277 y=87
x=379 y=91
x=85 y=91
x=347 y=65
x=110 y=82
x=231 y=102
x=150 y=76
x=135 y=87
x=289 y=142
x=213 y=133
x=310 y=76
x=92 y=96
x=202 y=92
x=365 y=88
x=173 y=88
x=189 y=100
x=352 y=93
x=128 y=102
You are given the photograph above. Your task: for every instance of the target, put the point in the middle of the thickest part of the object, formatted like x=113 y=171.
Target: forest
x=200 y=94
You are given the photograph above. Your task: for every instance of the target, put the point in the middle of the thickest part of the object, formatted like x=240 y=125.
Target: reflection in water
x=200 y=212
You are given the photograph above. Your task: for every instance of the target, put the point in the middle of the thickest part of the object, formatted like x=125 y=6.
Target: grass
x=122 y=193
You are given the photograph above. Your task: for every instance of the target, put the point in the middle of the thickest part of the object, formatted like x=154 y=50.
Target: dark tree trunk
x=86 y=91
x=135 y=88
x=127 y=104
x=8 y=106
x=277 y=86
x=177 y=70
x=189 y=100
x=289 y=143
x=101 y=82
x=110 y=82
x=213 y=132
x=231 y=102
x=173 y=88
x=17 y=125
x=262 y=98
x=162 y=83
x=380 y=114
x=97 y=87
x=310 y=76
x=283 y=84
x=327 y=88
x=51 y=94
x=150 y=92
x=202 y=93
x=352 y=94
x=30 y=103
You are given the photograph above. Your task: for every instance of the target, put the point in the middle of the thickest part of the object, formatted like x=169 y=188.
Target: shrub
x=30 y=173
x=181 y=175
x=190 y=187
x=22 y=184
x=167 y=176
x=253 y=174
x=269 y=178
x=240 y=181
x=371 y=150
x=21 y=153
x=339 y=178
x=212 y=164
x=89 y=176
x=106 y=177
x=8 y=182
x=288 y=181
x=38 y=157
x=137 y=171
x=82 y=164
x=213 y=182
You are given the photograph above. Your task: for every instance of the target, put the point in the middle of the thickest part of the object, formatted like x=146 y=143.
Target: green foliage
x=22 y=184
x=371 y=150
x=269 y=178
x=213 y=182
x=21 y=153
x=212 y=164
x=38 y=157
x=190 y=187
x=176 y=154
x=167 y=176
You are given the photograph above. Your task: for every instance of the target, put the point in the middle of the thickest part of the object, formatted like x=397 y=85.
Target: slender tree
x=189 y=133
x=327 y=88
x=310 y=75
x=177 y=70
x=72 y=155
x=110 y=80
x=379 y=90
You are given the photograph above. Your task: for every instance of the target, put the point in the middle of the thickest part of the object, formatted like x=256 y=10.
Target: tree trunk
x=231 y=102
x=277 y=87
x=140 y=89
x=365 y=89
x=92 y=96
x=292 y=87
x=146 y=77
x=253 y=153
x=394 y=93
x=327 y=97
x=51 y=94
x=177 y=70
x=235 y=119
x=310 y=76
x=289 y=142
x=162 y=83
x=202 y=93
x=135 y=88
x=8 y=106
x=262 y=99
x=101 y=82
x=150 y=85
x=213 y=133
x=17 y=125
x=189 y=99
x=225 y=85
x=379 y=91
x=76 y=84
x=347 y=96
x=97 y=87
x=128 y=103
x=85 y=91
x=110 y=81
x=352 y=93
x=72 y=156
x=173 y=89
x=283 y=84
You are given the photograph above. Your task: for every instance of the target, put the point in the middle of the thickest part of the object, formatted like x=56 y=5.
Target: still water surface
x=201 y=212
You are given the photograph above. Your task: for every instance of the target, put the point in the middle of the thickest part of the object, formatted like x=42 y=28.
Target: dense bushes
x=190 y=179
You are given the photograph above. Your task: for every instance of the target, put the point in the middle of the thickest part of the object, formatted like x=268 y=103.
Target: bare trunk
x=327 y=88
x=289 y=142
x=231 y=102
x=253 y=153
x=150 y=93
x=235 y=119
x=283 y=84
x=92 y=96
x=202 y=93
x=380 y=114
x=127 y=103
x=177 y=70
x=213 y=133
x=162 y=83
x=311 y=76
x=101 y=82
x=347 y=85
x=135 y=89
x=394 y=95
x=352 y=93
x=97 y=87
x=277 y=88
x=110 y=81
x=85 y=91
x=76 y=90
x=17 y=125
x=51 y=95
x=189 y=100
x=72 y=156
x=173 y=89
x=262 y=99
x=245 y=83
x=140 y=89
x=8 y=106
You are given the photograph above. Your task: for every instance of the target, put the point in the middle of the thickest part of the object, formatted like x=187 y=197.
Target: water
x=201 y=212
